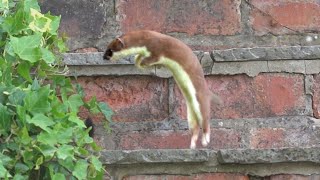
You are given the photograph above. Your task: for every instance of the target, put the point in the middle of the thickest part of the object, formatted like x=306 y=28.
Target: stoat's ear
x=120 y=43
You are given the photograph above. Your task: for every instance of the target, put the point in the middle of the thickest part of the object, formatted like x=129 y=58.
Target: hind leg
x=194 y=127
x=138 y=59
x=206 y=133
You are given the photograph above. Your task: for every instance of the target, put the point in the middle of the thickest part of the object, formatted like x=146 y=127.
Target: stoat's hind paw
x=193 y=145
x=194 y=139
x=205 y=139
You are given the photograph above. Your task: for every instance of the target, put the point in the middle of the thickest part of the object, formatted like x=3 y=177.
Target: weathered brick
x=83 y=21
x=267 y=138
x=192 y=17
x=302 y=137
x=294 y=177
x=134 y=98
x=275 y=15
x=316 y=96
x=206 y=176
x=220 y=139
x=265 y=95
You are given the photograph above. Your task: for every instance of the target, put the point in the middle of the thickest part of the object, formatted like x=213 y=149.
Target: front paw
x=141 y=66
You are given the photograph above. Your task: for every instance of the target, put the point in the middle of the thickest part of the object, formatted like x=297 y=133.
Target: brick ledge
x=223 y=156
x=250 y=61
x=258 y=162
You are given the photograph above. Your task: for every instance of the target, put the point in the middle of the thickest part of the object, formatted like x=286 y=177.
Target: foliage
x=41 y=135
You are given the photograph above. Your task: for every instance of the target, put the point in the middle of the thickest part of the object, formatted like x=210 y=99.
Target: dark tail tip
x=89 y=123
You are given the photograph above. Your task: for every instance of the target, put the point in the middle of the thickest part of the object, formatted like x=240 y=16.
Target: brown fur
x=161 y=45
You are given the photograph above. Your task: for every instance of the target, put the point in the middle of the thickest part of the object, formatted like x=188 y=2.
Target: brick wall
x=261 y=57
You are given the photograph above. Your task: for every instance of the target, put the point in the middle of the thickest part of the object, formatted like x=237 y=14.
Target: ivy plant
x=41 y=134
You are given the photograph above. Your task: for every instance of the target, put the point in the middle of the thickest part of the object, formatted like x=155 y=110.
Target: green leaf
x=5 y=119
x=4 y=4
x=55 y=22
x=99 y=175
x=59 y=109
x=3 y=172
x=35 y=85
x=65 y=151
x=106 y=110
x=7 y=76
x=80 y=90
x=22 y=116
x=14 y=25
x=21 y=168
x=47 y=151
x=95 y=146
x=24 y=70
x=74 y=118
x=58 y=176
x=47 y=138
x=19 y=177
x=27 y=47
x=3 y=97
x=61 y=45
x=9 y=54
x=28 y=156
x=80 y=170
x=83 y=151
x=74 y=102
x=16 y=97
x=96 y=163
x=41 y=121
x=24 y=136
x=37 y=101
x=4 y=159
x=28 y=4
x=92 y=105
x=47 y=55
x=39 y=162
x=67 y=163
x=63 y=135
x=40 y=23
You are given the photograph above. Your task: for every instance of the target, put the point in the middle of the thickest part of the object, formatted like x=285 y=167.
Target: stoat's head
x=115 y=46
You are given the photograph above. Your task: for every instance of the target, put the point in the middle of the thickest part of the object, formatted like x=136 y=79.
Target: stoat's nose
x=108 y=54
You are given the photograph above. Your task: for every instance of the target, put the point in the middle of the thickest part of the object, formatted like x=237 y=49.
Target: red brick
x=220 y=139
x=294 y=177
x=224 y=139
x=267 y=138
x=134 y=98
x=316 y=96
x=193 y=17
x=265 y=95
x=206 y=176
x=300 y=15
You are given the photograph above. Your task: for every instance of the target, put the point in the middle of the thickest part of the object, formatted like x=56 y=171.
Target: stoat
x=153 y=48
